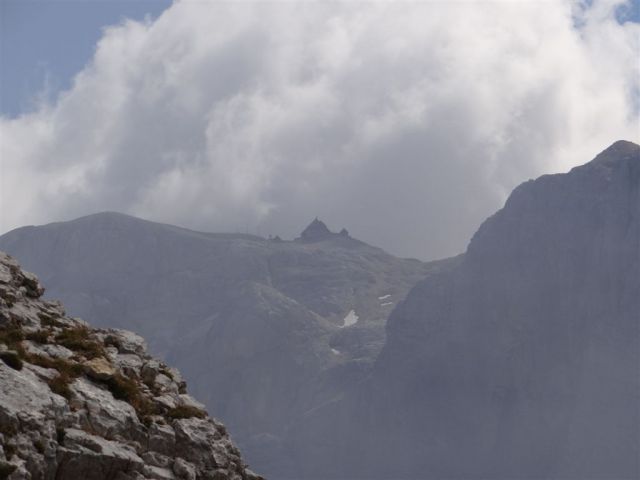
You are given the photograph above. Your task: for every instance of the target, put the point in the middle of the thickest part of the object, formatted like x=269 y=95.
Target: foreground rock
x=84 y=403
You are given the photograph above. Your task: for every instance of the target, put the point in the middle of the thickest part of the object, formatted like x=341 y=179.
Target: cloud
x=408 y=123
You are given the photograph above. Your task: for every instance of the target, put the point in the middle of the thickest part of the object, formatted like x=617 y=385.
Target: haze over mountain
x=519 y=361
x=263 y=330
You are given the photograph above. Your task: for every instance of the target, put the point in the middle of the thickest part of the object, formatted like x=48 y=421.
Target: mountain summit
x=617 y=152
x=316 y=230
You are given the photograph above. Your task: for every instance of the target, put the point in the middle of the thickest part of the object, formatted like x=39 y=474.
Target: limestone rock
x=90 y=456
x=184 y=470
x=99 y=368
x=75 y=407
x=126 y=342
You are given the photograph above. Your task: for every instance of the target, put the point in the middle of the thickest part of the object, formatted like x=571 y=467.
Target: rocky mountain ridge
x=265 y=330
x=79 y=402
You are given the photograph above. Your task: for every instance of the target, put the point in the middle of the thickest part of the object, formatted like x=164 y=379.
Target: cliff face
x=525 y=357
x=522 y=360
x=83 y=403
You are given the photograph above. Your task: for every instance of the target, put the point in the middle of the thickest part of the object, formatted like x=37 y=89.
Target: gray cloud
x=407 y=123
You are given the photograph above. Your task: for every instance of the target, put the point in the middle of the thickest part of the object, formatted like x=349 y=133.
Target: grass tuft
x=40 y=336
x=60 y=385
x=78 y=340
x=6 y=469
x=47 y=320
x=122 y=388
x=186 y=411
x=125 y=389
x=71 y=369
x=11 y=335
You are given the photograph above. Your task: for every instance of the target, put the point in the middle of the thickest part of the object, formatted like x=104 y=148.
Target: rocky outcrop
x=316 y=230
x=84 y=403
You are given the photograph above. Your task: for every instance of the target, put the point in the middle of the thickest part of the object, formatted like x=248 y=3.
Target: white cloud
x=408 y=123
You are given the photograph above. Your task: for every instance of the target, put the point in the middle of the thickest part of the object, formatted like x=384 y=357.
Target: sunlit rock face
x=521 y=361
x=79 y=402
x=264 y=330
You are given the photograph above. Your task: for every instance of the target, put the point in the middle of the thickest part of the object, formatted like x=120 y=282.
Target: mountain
x=79 y=402
x=264 y=330
x=520 y=361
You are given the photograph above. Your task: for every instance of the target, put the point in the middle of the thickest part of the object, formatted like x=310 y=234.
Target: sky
x=43 y=44
x=408 y=123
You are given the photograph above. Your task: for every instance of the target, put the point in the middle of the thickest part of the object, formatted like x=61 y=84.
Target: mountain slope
x=264 y=330
x=78 y=402
x=522 y=360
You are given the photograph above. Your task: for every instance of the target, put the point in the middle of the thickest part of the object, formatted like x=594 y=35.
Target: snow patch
x=350 y=319
x=384 y=297
x=386 y=303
